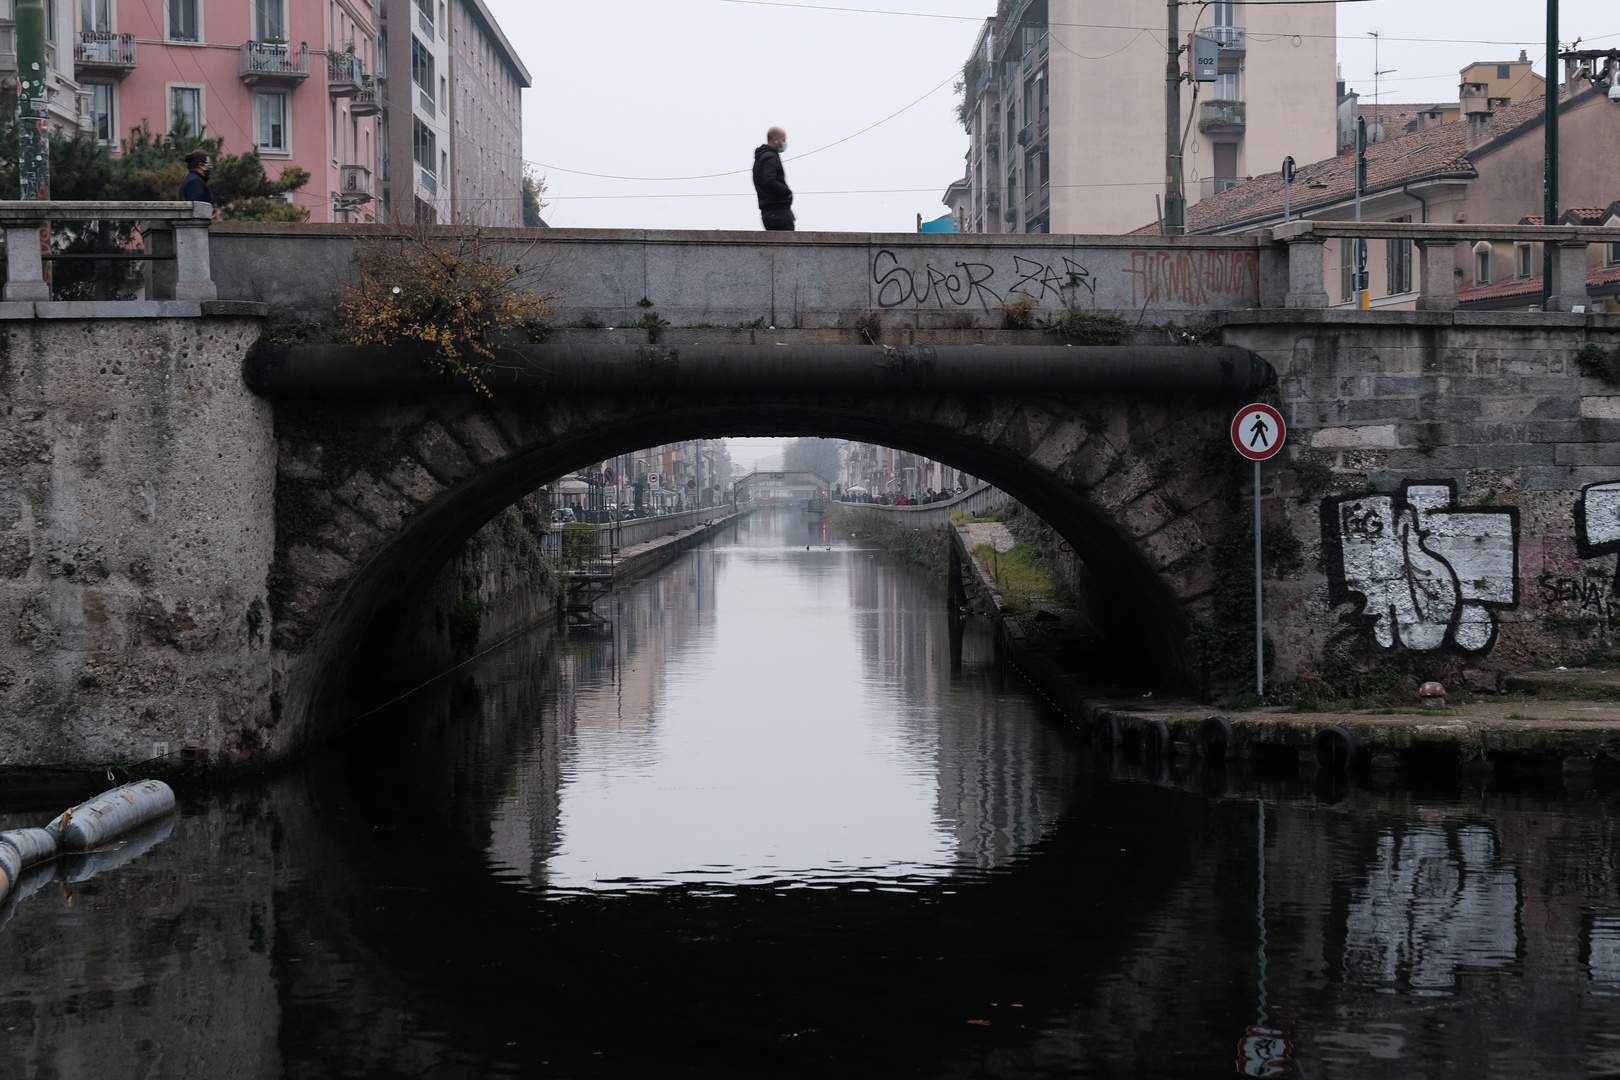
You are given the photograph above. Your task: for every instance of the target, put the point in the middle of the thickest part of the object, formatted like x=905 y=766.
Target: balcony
x=1222 y=116
x=345 y=73
x=424 y=101
x=355 y=187
x=102 y=52
x=430 y=182
x=1231 y=39
x=367 y=101
x=425 y=21
x=273 y=64
x=1026 y=134
x=1214 y=185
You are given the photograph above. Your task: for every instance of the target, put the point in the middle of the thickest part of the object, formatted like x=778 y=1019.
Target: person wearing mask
x=194 y=188
x=770 y=183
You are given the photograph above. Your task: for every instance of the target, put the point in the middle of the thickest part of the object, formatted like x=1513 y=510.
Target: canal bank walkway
x=1561 y=722
x=633 y=560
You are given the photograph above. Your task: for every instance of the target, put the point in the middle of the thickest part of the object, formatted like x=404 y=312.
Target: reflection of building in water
x=603 y=707
x=1433 y=901
x=998 y=773
x=1603 y=950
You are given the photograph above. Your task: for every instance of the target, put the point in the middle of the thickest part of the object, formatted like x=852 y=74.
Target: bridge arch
x=1119 y=475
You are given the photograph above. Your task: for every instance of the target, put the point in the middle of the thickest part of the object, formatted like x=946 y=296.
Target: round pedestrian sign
x=1258 y=432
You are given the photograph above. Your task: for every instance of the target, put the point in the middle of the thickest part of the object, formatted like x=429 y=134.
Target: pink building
x=295 y=79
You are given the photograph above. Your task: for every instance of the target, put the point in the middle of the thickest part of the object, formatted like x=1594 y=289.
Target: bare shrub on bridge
x=455 y=294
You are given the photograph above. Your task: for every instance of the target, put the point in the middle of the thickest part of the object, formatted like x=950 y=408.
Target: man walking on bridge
x=770 y=183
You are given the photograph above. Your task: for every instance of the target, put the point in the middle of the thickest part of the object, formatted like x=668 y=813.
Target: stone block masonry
x=137 y=487
x=1448 y=479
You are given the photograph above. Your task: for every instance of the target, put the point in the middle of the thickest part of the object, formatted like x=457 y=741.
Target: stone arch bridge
x=208 y=542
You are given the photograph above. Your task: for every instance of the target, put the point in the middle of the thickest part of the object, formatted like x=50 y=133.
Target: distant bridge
x=791 y=479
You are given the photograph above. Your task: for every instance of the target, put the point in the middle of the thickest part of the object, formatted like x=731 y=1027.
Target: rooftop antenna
x=1376 y=74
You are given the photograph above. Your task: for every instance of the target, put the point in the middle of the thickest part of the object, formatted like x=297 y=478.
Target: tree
x=819 y=456
x=152 y=166
x=534 y=186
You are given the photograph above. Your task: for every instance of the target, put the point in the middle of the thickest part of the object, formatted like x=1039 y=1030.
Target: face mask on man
x=208 y=169
x=782 y=149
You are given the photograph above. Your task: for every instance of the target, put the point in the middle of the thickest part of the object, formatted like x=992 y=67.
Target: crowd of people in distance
x=890 y=498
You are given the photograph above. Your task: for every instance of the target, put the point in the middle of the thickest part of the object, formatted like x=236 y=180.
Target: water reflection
x=1432 y=902
x=733 y=728
x=387 y=909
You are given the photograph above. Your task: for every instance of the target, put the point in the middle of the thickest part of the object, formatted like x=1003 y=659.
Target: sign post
x=1258 y=433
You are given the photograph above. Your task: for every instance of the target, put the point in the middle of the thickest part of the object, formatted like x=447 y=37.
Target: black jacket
x=195 y=189
x=770 y=183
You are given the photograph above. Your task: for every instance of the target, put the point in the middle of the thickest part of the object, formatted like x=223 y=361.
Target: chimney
x=1477 y=111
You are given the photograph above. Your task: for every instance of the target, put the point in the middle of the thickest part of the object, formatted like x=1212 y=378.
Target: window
x=1226 y=86
x=1398 y=262
x=102 y=124
x=1614 y=255
x=271 y=112
x=1347 y=271
x=421 y=65
x=95 y=15
x=185 y=109
x=50 y=19
x=1504 y=71
x=270 y=20
x=1521 y=261
x=183 y=20
x=1482 y=264
x=424 y=146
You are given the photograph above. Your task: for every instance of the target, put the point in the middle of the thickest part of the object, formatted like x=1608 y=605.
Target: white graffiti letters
x=1427 y=571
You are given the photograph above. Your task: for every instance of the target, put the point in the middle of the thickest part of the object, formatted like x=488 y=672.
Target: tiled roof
x=1395 y=117
x=1420 y=155
x=1582 y=215
x=1596 y=276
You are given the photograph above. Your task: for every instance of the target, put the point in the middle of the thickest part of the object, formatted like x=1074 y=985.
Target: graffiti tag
x=967 y=282
x=1425 y=571
x=1190 y=277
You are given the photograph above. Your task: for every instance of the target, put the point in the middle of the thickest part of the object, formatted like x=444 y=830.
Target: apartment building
x=293 y=79
x=1064 y=108
x=453 y=118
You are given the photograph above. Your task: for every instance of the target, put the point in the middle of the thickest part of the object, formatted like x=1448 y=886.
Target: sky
x=687 y=88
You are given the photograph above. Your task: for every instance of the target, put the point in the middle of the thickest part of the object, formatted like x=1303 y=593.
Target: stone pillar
x=25 y=270
x=1307 y=266
x=1439 y=275
x=1569 y=276
x=194 y=279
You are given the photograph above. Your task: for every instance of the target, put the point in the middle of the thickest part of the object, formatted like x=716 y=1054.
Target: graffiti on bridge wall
x=1597 y=533
x=1426 y=572
x=1193 y=278
x=966 y=282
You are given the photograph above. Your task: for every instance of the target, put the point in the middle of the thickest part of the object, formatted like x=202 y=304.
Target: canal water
x=772 y=821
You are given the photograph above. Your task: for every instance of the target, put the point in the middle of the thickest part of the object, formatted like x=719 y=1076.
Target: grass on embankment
x=1021 y=578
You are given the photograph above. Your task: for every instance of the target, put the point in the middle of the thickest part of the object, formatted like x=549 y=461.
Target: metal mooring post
x=1259 y=602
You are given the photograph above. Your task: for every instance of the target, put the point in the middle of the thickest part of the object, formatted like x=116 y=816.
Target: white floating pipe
x=111 y=814
x=10 y=868
x=34 y=845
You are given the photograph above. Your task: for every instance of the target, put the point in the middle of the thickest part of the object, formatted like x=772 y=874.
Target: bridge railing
x=175 y=232
x=1307 y=243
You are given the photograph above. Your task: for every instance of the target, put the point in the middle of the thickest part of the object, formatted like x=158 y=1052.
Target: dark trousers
x=777 y=220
